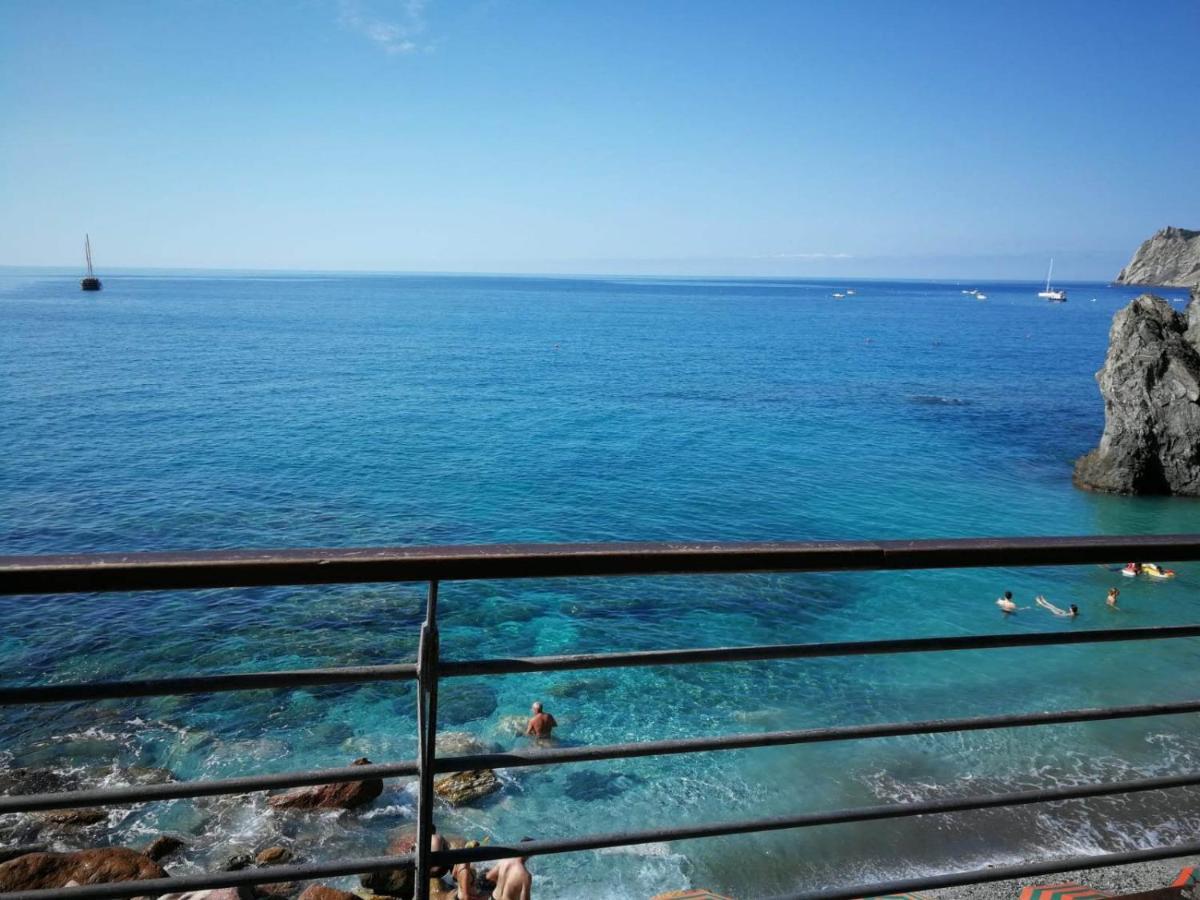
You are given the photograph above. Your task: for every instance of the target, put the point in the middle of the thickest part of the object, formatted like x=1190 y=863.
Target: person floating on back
x=1047 y=605
x=511 y=878
x=541 y=724
x=1006 y=603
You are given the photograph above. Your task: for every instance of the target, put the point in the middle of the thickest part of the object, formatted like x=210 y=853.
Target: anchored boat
x=89 y=282
x=1059 y=296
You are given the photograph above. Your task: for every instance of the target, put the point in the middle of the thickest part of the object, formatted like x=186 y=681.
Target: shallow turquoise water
x=195 y=412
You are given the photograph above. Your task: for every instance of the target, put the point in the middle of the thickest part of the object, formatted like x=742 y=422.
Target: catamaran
x=89 y=282
x=1059 y=296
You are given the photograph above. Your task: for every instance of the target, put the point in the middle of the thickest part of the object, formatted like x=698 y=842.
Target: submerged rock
x=72 y=817
x=1171 y=258
x=36 y=781
x=466 y=701
x=463 y=787
x=35 y=871
x=1151 y=388
x=461 y=743
x=345 y=795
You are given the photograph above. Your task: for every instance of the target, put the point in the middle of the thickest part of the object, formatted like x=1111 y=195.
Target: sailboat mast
x=1049 y=273
x=87 y=250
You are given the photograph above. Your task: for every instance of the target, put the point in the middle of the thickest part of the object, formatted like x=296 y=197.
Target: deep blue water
x=206 y=412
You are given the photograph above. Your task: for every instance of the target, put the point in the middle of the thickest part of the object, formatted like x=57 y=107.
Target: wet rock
x=72 y=817
x=281 y=890
x=238 y=893
x=463 y=787
x=346 y=795
x=162 y=846
x=462 y=702
x=461 y=743
x=1151 y=388
x=273 y=856
x=35 y=871
x=321 y=892
x=512 y=725
x=36 y=781
x=399 y=882
x=237 y=862
x=7 y=853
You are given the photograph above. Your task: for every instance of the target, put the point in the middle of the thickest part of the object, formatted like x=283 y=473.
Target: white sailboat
x=1059 y=296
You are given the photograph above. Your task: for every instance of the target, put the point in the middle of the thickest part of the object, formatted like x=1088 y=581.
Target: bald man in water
x=540 y=723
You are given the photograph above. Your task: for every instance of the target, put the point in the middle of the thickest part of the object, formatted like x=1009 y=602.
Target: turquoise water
x=206 y=412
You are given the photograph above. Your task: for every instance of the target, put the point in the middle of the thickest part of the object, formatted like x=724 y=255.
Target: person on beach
x=463 y=876
x=435 y=844
x=1113 y=593
x=1006 y=603
x=541 y=724
x=511 y=879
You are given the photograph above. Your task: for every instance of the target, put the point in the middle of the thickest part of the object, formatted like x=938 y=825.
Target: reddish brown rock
x=273 y=856
x=321 y=892
x=279 y=890
x=163 y=845
x=346 y=795
x=34 y=871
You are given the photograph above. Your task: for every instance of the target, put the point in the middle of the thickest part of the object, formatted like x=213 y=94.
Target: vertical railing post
x=427 y=691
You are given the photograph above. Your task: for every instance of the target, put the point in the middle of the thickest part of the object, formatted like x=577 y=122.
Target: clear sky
x=847 y=137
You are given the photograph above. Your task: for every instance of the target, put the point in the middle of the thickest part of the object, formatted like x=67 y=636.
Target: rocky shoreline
x=51 y=850
x=1129 y=879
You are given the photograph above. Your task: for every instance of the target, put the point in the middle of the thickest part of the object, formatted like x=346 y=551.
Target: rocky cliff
x=1151 y=388
x=1171 y=259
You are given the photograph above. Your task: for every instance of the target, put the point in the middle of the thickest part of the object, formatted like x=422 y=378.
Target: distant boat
x=90 y=282
x=851 y=293
x=1053 y=296
x=838 y=296
x=980 y=295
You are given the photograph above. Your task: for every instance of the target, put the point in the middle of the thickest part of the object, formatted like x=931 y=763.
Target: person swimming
x=1006 y=603
x=1065 y=613
x=1113 y=593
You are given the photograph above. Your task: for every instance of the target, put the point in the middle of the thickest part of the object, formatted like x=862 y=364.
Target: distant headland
x=1171 y=258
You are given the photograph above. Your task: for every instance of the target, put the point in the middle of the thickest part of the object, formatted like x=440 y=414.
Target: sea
x=207 y=411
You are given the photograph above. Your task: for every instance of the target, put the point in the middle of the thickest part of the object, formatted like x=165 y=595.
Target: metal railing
x=230 y=569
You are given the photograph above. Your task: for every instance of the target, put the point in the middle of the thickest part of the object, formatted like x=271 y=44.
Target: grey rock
x=1170 y=259
x=162 y=846
x=1151 y=388
x=237 y=862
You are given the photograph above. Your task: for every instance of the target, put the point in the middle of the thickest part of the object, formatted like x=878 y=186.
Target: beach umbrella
x=1187 y=877
x=1065 y=891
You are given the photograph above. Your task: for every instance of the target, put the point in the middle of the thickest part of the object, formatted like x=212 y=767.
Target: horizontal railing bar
x=155 y=887
x=179 y=790
x=997 y=873
x=811 y=820
x=295 y=678
x=558 y=755
x=205 y=684
x=517 y=665
x=252 y=568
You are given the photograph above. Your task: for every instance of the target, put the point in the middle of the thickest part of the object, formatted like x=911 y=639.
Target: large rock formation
x=1151 y=387
x=343 y=795
x=1171 y=259
x=38 y=871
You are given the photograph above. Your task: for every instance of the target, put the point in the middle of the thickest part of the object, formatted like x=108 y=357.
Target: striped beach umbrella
x=1066 y=891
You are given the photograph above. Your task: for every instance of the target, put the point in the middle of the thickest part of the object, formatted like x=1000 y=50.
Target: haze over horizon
x=808 y=140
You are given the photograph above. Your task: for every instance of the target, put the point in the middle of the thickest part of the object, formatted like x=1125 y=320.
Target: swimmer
x=1113 y=593
x=1006 y=603
x=540 y=723
x=1065 y=613
x=464 y=876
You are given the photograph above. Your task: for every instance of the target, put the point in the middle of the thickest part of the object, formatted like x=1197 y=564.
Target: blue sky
x=899 y=138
